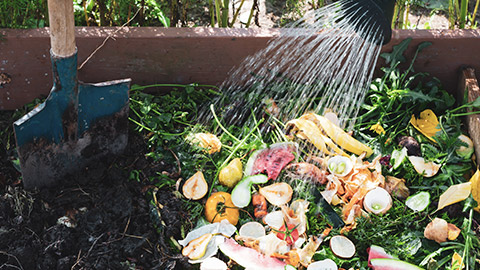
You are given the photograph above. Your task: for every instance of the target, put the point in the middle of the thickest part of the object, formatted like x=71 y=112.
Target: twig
x=79 y=259
x=13 y=256
x=178 y=161
x=94 y=242
x=106 y=39
x=126 y=227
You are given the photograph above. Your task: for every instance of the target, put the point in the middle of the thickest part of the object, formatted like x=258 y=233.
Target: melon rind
x=392 y=264
x=250 y=258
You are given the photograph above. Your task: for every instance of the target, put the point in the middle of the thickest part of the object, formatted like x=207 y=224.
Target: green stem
x=236 y=14
x=463 y=13
x=225 y=13
x=218 y=6
x=465 y=114
x=220 y=124
x=240 y=144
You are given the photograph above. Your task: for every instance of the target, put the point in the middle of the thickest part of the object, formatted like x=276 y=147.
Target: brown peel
x=439 y=231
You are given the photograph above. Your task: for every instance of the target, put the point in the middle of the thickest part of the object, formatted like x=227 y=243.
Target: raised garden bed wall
x=152 y=55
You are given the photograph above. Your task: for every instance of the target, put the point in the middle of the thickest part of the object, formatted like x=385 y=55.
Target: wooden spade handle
x=62 y=26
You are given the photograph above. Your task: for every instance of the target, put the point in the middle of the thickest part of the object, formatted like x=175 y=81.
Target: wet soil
x=96 y=219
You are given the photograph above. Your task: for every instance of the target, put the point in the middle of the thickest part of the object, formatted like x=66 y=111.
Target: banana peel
x=308 y=130
x=312 y=125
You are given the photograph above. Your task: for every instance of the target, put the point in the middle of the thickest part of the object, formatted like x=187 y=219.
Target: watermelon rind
x=392 y=264
x=251 y=160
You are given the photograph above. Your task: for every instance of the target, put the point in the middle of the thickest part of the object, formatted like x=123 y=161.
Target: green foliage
x=23 y=13
x=391 y=102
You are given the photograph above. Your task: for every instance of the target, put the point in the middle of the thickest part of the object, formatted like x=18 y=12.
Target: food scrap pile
x=315 y=197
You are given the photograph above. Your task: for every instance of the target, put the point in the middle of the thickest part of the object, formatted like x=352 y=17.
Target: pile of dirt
x=95 y=219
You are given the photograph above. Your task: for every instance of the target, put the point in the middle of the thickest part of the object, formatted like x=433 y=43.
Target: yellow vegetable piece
x=312 y=133
x=475 y=181
x=427 y=124
x=197 y=247
x=454 y=194
x=343 y=139
x=457 y=262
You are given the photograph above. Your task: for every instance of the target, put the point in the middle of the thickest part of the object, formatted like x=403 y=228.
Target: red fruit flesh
x=377 y=252
x=272 y=161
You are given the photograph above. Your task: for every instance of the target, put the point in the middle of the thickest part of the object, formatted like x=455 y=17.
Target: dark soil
x=111 y=214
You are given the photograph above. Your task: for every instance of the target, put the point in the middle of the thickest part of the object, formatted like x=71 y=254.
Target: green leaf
x=397 y=54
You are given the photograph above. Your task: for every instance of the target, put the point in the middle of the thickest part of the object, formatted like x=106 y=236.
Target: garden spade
x=78 y=123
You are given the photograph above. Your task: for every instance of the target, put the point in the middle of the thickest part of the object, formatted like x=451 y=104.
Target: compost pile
x=401 y=189
x=95 y=219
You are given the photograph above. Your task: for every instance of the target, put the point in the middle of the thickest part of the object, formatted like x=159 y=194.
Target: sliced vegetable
x=326 y=264
x=465 y=151
x=277 y=194
x=223 y=228
x=274 y=219
x=340 y=165
x=342 y=247
x=271 y=160
x=219 y=206
x=419 y=201
x=398 y=156
x=252 y=229
x=377 y=201
x=242 y=193
x=195 y=187
x=231 y=174
x=213 y=263
x=197 y=247
x=428 y=169
x=392 y=264
x=250 y=258
x=454 y=194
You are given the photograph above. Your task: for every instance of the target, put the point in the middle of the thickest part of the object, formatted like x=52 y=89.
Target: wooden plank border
x=151 y=55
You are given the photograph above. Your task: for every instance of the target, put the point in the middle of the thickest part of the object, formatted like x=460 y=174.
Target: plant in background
x=23 y=13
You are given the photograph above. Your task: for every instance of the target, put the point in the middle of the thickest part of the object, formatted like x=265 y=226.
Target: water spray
x=377 y=13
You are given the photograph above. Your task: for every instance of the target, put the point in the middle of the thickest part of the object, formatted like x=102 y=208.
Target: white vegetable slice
x=342 y=247
x=326 y=264
x=223 y=227
x=274 y=219
x=252 y=229
x=213 y=263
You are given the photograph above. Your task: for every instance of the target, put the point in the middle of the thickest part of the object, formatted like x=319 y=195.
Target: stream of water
x=322 y=62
